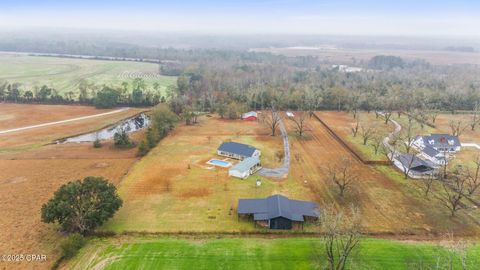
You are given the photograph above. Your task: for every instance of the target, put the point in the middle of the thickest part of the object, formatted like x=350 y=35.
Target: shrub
x=97 y=143
x=143 y=149
x=122 y=140
x=72 y=245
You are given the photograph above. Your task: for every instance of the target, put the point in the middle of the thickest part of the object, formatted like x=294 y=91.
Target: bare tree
x=407 y=169
x=272 y=120
x=377 y=140
x=342 y=174
x=475 y=117
x=428 y=183
x=457 y=127
x=356 y=127
x=473 y=177
x=387 y=114
x=366 y=132
x=454 y=191
x=409 y=136
x=341 y=236
x=299 y=119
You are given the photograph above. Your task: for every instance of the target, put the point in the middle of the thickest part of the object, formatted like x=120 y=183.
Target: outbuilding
x=250 y=116
x=237 y=150
x=415 y=166
x=278 y=212
x=245 y=168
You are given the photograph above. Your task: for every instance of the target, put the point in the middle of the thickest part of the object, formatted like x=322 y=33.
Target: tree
x=106 y=98
x=457 y=127
x=272 y=120
x=428 y=183
x=121 y=139
x=81 y=206
x=409 y=136
x=473 y=177
x=341 y=236
x=356 y=127
x=475 y=117
x=342 y=174
x=408 y=168
x=366 y=132
x=299 y=119
x=454 y=191
x=377 y=140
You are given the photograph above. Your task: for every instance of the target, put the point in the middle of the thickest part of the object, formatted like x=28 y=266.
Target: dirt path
x=282 y=171
x=62 y=121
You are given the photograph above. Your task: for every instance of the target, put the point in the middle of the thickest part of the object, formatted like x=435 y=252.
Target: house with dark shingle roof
x=237 y=150
x=437 y=157
x=439 y=142
x=278 y=212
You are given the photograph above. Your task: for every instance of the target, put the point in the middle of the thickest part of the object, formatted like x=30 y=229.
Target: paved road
x=471 y=145
x=61 y=122
x=386 y=140
x=280 y=172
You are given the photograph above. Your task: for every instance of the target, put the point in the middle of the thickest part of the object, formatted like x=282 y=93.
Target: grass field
x=173 y=189
x=257 y=253
x=65 y=74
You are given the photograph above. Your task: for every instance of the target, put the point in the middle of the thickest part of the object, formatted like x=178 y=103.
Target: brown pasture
x=29 y=177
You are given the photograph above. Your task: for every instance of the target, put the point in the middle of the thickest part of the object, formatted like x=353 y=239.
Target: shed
x=237 y=150
x=245 y=168
x=250 y=116
x=278 y=212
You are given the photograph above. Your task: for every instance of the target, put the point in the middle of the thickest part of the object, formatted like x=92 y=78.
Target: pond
x=129 y=125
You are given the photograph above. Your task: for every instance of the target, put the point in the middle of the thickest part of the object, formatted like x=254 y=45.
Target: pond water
x=129 y=125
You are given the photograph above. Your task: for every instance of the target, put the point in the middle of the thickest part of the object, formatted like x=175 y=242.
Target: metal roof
x=277 y=206
x=237 y=148
x=417 y=163
x=245 y=164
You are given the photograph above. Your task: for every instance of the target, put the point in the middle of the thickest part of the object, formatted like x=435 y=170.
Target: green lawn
x=256 y=253
x=65 y=74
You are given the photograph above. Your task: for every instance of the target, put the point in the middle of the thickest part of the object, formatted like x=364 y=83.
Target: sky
x=341 y=17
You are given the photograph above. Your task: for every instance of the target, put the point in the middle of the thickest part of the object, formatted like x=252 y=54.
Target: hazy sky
x=401 y=17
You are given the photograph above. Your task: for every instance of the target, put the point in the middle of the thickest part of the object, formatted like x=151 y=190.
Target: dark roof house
x=278 y=210
x=237 y=150
x=441 y=141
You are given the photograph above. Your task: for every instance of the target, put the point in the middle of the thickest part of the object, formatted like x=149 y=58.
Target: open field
x=255 y=253
x=30 y=172
x=343 y=122
x=21 y=115
x=65 y=74
x=340 y=55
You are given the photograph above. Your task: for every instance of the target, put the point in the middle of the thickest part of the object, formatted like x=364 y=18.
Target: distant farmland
x=65 y=74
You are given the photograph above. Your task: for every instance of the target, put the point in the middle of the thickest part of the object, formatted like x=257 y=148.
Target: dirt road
x=62 y=121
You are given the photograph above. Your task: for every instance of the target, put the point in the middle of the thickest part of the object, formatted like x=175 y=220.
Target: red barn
x=250 y=116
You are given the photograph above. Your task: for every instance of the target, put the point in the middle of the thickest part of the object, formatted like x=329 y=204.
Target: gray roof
x=246 y=164
x=430 y=151
x=441 y=140
x=416 y=164
x=277 y=206
x=237 y=148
